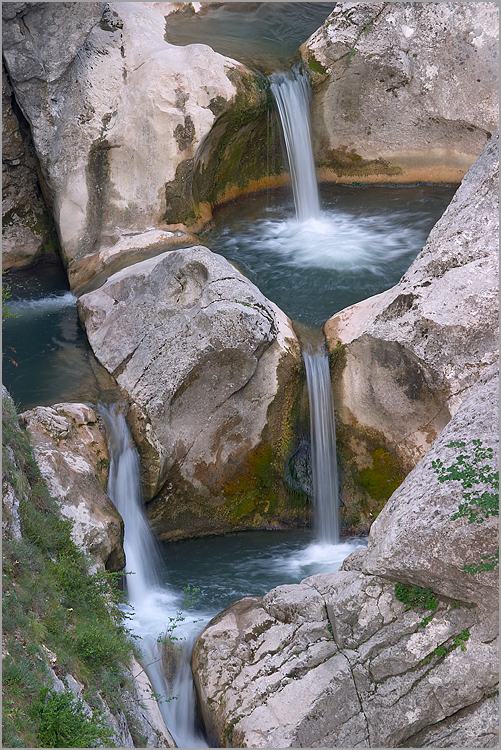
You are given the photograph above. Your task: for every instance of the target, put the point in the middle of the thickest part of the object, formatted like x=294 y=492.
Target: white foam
x=43 y=305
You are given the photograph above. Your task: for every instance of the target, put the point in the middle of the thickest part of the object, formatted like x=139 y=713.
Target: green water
x=265 y=36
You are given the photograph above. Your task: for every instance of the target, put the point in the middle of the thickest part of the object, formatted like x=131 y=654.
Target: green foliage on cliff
x=63 y=722
x=479 y=479
x=55 y=614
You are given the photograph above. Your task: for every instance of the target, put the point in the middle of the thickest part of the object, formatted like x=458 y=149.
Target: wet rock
x=411 y=88
x=27 y=231
x=70 y=448
x=211 y=368
x=115 y=112
x=403 y=361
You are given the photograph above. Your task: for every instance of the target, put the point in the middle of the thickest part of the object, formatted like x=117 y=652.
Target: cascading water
x=323 y=446
x=154 y=606
x=292 y=94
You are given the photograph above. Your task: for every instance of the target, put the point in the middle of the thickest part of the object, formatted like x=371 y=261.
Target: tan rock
x=70 y=448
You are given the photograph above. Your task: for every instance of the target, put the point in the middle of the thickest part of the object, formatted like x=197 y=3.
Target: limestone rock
x=211 y=368
x=116 y=114
x=70 y=448
x=337 y=661
x=405 y=359
x=27 y=231
x=403 y=92
x=414 y=538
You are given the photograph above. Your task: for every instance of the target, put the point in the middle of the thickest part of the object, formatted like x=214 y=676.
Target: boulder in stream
x=117 y=116
x=70 y=448
x=403 y=361
x=212 y=371
x=397 y=649
x=403 y=92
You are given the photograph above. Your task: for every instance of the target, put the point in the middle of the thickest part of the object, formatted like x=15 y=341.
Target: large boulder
x=211 y=369
x=117 y=115
x=350 y=659
x=403 y=361
x=403 y=92
x=70 y=448
x=415 y=537
x=27 y=229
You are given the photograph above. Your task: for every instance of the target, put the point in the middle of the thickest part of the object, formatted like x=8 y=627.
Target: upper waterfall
x=292 y=94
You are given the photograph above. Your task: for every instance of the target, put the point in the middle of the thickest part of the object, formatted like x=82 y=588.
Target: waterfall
x=154 y=605
x=292 y=94
x=323 y=446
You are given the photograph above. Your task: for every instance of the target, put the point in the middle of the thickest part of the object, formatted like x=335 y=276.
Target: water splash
x=154 y=606
x=323 y=446
x=292 y=94
x=43 y=305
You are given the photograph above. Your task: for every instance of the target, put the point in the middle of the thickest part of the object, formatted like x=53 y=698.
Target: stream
x=312 y=252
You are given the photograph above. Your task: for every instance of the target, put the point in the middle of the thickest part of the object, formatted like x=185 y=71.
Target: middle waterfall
x=292 y=94
x=323 y=446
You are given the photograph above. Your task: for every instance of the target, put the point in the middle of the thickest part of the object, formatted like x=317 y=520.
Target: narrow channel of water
x=323 y=446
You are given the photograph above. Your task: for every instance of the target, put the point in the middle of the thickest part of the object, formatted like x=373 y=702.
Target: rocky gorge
x=120 y=148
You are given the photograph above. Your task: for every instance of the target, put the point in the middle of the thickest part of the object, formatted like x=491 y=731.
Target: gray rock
x=403 y=92
x=70 y=448
x=406 y=358
x=338 y=661
x=418 y=516
x=211 y=368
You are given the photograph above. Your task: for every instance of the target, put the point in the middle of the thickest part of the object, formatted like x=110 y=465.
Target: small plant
x=488 y=562
x=479 y=480
x=458 y=641
x=191 y=596
x=64 y=722
x=415 y=597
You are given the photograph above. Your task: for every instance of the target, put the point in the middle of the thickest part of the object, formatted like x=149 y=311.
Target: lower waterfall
x=155 y=608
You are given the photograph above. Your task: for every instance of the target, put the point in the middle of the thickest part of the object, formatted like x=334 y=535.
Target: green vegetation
x=315 y=66
x=458 y=641
x=382 y=478
x=479 y=480
x=415 y=597
x=54 y=611
x=63 y=722
x=488 y=562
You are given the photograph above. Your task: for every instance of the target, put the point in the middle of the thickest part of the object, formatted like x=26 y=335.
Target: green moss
x=346 y=161
x=315 y=66
x=244 y=144
x=384 y=476
x=370 y=472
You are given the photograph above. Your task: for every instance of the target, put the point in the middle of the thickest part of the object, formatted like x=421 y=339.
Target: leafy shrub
x=64 y=722
x=415 y=597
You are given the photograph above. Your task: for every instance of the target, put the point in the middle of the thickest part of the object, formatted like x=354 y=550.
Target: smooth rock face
x=403 y=92
x=211 y=369
x=26 y=227
x=406 y=358
x=116 y=115
x=70 y=448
